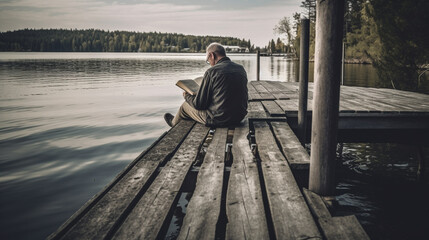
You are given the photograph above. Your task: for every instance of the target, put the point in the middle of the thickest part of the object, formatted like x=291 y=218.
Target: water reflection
x=378 y=183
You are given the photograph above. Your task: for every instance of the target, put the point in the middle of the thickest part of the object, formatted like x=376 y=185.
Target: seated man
x=222 y=98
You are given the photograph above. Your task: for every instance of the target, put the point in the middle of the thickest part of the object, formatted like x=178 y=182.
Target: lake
x=69 y=122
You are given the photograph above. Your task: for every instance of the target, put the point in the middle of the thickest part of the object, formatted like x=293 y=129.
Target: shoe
x=168 y=117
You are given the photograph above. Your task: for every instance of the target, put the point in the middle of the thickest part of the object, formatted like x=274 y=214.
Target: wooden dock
x=366 y=114
x=245 y=187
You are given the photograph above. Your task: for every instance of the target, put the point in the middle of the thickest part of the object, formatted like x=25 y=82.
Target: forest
x=392 y=35
x=93 y=40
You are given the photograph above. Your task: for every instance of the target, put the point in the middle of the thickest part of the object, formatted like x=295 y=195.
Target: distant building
x=236 y=49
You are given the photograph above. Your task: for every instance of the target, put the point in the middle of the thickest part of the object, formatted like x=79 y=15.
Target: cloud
x=255 y=23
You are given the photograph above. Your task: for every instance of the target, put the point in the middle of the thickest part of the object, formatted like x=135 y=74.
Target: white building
x=236 y=49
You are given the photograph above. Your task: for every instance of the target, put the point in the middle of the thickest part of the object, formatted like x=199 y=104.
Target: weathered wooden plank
x=358 y=95
x=256 y=110
x=403 y=101
x=244 y=205
x=203 y=209
x=419 y=97
x=380 y=100
x=273 y=108
x=363 y=92
x=268 y=86
x=391 y=105
x=291 y=86
x=316 y=204
x=290 y=105
x=259 y=87
x=150 y=212
x=333 y=228
x=342 y=228
x=275 y=91
x=347 y=106
x=295 y=153
x=358 y=106
x=265 y=94
x=290 y=214
x=376 y=105
x=253 y=94
x=101 y=216
x=387 y=102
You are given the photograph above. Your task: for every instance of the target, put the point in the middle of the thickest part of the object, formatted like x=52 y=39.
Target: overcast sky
x=249 y=19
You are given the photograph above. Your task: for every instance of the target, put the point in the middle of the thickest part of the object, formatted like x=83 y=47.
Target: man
x=222 y=98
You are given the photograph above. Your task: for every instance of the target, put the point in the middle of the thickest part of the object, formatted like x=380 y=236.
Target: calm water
x=69 y=122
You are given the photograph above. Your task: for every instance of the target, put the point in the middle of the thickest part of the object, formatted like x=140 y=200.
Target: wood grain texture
x=327 y=78
x=352 y=99
x=263 y=92
x=256 y=110
x=149 y=214
x=273 y=108
x=295 y=153
x=316 y=204
x=253 y=94
x=274 y=89
x=342 y=228
x=203 y=209
x=289 y=86
x=244 y=205
x=290 y=214
x=100 y=219
x=333 y=228
x=290 y=105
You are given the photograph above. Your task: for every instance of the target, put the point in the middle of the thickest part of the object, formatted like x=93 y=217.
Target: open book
x=190 y=86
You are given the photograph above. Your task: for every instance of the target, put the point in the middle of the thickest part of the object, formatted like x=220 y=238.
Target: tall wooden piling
x=327 y=77
x=258 y=64
x=303 y=79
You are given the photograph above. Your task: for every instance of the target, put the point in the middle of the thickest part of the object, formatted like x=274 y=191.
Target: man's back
x=229 y=96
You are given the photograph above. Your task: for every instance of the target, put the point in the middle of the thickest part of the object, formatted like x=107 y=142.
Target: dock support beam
x=327 y=77
x=258 y=64
x=303 y=80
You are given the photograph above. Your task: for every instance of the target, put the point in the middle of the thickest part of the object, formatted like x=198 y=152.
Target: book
x=190 y=86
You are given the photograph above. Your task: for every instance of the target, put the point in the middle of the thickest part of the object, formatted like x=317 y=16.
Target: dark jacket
x=223 y=93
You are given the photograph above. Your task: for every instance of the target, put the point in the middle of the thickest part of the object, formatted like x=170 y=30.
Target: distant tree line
x=93 y=40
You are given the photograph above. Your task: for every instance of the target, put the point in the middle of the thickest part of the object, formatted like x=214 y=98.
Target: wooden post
x=343 y=63
x=258 y=64
x=303 y=80
x=327 y=77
